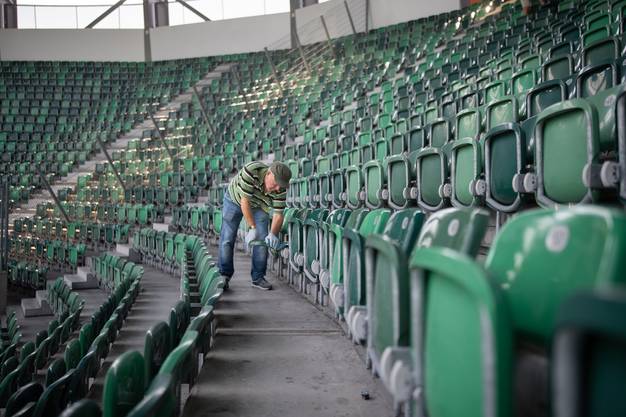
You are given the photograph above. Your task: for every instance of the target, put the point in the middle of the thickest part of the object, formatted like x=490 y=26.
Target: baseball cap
x=281 y=172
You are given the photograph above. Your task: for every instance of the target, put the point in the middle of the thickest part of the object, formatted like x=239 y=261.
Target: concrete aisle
x=160 y=292
x=278 y=355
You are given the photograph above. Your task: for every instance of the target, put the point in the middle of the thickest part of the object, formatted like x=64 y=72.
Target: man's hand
x=272 y=240
x=250 y=236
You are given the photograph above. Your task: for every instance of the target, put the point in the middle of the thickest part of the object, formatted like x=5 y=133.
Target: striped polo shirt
x=249 y=183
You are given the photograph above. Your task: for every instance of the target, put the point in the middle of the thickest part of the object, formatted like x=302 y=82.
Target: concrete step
x=33 y=307
x=161 y=227
x=41 y=296
x=83 y=271
x=82 y=280
x=123 y=249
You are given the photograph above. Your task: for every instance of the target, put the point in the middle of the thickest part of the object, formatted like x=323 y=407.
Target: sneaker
x=262 y=284
x=226 y=282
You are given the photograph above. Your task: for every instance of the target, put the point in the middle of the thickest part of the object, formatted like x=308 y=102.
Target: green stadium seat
x=55 y=397
x=432 y=191
x=24 y=400
x=513 y=288
x=588 y=359
x=157 y=347
x=352 y=292
x=159 y=400
x=466 y=170
x=402 y=228
x=124 y=385
x=392 y=348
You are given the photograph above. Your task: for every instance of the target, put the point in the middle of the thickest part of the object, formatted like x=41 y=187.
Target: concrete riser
x=33 y=307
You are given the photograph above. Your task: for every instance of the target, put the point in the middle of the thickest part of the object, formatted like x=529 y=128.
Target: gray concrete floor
x=276 y=354
x=159 y=293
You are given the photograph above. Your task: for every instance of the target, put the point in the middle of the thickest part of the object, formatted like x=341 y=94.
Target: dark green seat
x=177 y=365
x=87 y=368
x=589 y=360
x=204 y=324
x=352 y=292
x=507 y=161
x=8 y=386
x=322 y=266
x=55 y=397
x=466 y=170
x=401 y=179
x=432 y=178
x=72 y=354
x=24 y=399
x=55 y=371
x=376 y=193
x=311 y=248
x=395 y=327
x=124 y=385
x=156 y=348
x=336 y=265
x=594 y=78
x=401 y=229
x=179 y=320
x=545 y=94
x=159 y=400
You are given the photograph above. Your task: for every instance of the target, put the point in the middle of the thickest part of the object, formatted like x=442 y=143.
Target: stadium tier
x=456 y=203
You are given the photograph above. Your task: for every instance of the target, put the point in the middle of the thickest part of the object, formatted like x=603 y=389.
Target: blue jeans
x=231 y=217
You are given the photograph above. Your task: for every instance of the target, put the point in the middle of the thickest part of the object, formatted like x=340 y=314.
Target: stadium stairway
x=159 y=292
x=71 y=180
x=275 y=353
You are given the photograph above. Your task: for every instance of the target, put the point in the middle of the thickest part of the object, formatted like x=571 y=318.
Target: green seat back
x=156 y=348
x=589 y=355
x=124 y=385
x=535 y=272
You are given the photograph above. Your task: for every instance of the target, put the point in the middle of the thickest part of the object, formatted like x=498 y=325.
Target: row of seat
x=92 y=234
x=21 y=362
x=113 y=271
x=408 y=287
x=26 y=274
x=53 y=253
x=68 y=378
x=61 y=298
x=9 y=330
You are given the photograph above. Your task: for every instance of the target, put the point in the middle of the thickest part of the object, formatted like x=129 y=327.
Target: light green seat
x=515 y=298
x=402 y=229
x=394 y=327
x=311 y=247
x=352 y=292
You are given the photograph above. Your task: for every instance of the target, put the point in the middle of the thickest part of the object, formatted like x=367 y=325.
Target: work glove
x=272 y=240
x=250 y=236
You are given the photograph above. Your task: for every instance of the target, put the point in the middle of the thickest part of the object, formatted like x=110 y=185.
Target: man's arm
x=247 y=211
x=277 y=223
